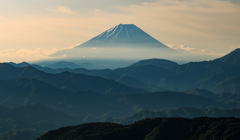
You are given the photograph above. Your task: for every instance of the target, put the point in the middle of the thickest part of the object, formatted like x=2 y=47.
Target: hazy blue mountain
x=63 y=64
x=152 y=129
x=220 y=75
x=123 y=35
x=67 y=80
x=156 y=62
x=23 y=64
x=51 y=70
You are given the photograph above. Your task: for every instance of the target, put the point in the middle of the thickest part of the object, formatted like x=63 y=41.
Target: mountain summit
x=123 y=35
x=233 y=58
x=117 y=47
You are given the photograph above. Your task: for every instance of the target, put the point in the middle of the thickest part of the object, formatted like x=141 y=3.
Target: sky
x=34 y=29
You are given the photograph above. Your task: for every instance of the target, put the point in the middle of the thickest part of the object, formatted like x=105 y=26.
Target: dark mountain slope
x=203 y=93
x=204 y=75
x=217 y=76
x=153 y=129
x=162 y=100
x=27 y=91
x=30 y=121
x=14 y=93
x=19 y=92
x=67 y=80
x=232 y=58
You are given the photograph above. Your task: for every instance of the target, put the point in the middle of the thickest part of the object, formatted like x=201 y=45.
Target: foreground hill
x=28 y=122
x=181 y=112
x=152 y=129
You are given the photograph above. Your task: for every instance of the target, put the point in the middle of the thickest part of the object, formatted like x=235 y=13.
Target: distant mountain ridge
x=66 y=80
x=219 y=75
x=64 y=64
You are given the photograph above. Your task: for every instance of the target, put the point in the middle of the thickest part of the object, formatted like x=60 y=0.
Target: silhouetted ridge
x=152 y=129
x=232 y=58
x=66 y=80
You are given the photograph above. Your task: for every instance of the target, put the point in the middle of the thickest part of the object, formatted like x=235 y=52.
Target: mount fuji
x=124 y=43
x=127 y=36
x=123 y=35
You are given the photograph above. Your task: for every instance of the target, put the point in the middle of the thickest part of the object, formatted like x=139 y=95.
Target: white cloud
x=61 y=9
x=193 y=51
x=20 y=55
x=180 y=47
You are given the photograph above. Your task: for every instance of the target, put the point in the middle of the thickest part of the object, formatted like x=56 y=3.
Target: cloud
x=20 y=55
x=61 y=9
x=193 y=51
x=180 y=47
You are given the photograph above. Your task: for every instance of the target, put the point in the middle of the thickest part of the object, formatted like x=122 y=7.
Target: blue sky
x=34 y=29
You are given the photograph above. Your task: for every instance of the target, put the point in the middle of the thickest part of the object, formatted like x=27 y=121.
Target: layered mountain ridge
x=73 y=96
x=218 y=75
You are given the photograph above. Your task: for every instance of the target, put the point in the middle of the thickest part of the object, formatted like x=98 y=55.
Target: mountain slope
x=30 y=121
x=217 y=76
x=232 y=58
x=67 y=80
x=152 y=129
x=168 y=100
x=14 y=93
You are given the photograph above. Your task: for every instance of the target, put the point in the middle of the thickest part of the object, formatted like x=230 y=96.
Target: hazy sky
x=34 y=29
